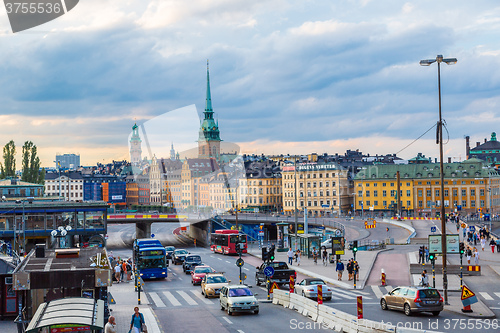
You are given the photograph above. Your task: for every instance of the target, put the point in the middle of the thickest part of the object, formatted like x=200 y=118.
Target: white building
x=70 y=184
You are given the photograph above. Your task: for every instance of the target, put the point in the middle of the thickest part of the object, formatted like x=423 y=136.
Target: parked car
x=238 y=298
x=190 y=263
x=413 y=299
x=212 y=283
x=169 y=251
x=179 y=256
x=199 y=272
x=309 y=288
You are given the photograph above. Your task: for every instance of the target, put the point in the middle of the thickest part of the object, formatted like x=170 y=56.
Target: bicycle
x=315 y=258
x=325 y=261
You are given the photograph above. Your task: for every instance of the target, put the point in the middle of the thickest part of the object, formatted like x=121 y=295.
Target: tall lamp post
x=449 y=61
x=295 y=187
x=59 y=169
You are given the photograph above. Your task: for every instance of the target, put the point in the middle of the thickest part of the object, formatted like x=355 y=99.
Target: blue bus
x=150 y=259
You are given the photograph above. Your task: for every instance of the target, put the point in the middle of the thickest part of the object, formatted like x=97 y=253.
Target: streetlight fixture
x=59 y=169
x=60 y=232
x=449 y=61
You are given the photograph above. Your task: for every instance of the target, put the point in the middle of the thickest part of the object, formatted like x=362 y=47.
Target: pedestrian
x=340 y=269
x=290 y=256
x=476 y=256
x=137 y=323
x=325 y=256
x=424 y=280
x=110 y=326
x=420 y=255
x=129 y=269
x=469 y=255
x=349 y=269
x=315 y=255
x=483 y=243
x=298 y=254
x=426 y=254
x=123 y=270
x=498 y=245
x=475 y=238
x=117 y=272
x=356 y=270
x=492 y=244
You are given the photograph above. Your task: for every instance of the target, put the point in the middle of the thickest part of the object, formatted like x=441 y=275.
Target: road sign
x=472 y=228
x=269 y=271
x=466 y=293
x=433 y=229
x=338 y=232
x=239 y=262
x=111 y=298
x=273 y=286
x=152 y=235
x=325 y=206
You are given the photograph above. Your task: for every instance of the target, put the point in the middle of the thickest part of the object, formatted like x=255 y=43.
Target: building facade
x=68 y=161
x=135 y=146
x=68 y=185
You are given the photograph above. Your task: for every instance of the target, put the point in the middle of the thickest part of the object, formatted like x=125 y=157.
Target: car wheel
x=303 y=294
x=221 y=307
x=407 y=309
x=229 y=313
x=257 y=282
x=202 y=292
x=383 y=304
x=256 y=311
x=435 y=313
x=206 y=296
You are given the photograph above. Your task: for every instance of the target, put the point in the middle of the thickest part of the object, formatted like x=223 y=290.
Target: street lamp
x=449 y=61
x=59 y=169
x=60 y=232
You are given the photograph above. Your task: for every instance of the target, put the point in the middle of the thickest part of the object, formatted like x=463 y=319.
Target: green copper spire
x=209 y=129
x=208 y=102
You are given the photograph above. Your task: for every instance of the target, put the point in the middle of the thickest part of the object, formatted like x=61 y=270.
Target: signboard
x=273 y=286
x=325 y=206
x=117 y=197
x=472 y=228
x=338 y=245
x=269 y=271
x=433 y=229
x=338 y=232
x=239 y=262
x=452 y=244
x=468 y=297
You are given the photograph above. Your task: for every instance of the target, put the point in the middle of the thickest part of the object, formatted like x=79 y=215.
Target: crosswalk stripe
x=187 y=298
x=376 y=290
x=171 y=298
x=389 y=288
x=342 y=295
x=157 y=300
x=497 y=294
x=486 y=296
x=350 y=293
x=198 y=294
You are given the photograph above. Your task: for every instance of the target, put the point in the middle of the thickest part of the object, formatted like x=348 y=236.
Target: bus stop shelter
x=72 y=314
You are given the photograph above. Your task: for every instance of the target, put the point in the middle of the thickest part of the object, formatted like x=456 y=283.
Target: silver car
x=309 y=288
x=238 y=298
x=413 y=299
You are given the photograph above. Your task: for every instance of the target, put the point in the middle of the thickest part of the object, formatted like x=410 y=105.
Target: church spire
x=208 y=102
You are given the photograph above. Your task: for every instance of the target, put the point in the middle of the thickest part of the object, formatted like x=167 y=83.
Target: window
x=383 y=184
x=360 y=203
x=367 y=184
x=445 y=193
x=367 y=193
x=384 y=193
x=473 y=203
x=368 y=203
x=420 y=203
x=375 y=185
x=464 y=192
x=437 y=193
x=392 y=184
x=375 y=193
x=384 y=203
x=464 y=203
x=360 y=193
x=375 y=203
x=408 y=204
x=393 y=193
x=408 y=193
x=428 y=193
x=481 y=192
x=482 y=203
x=455 y=193
x=472 y=192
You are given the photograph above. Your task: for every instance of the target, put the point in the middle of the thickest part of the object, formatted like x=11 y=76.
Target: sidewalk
x=125 y=297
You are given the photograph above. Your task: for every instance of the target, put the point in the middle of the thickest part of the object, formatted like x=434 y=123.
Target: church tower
x=172 y=153
x=135 y=146
x=209 y=137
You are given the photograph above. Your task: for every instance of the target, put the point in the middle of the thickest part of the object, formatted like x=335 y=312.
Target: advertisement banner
x=452 y=244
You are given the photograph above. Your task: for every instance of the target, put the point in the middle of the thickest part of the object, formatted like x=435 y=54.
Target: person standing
x=349 y=269
x=476 y=256
x=137 y=321
x=356 y=270
x=340 y=269
x=124 y=270
x=298 y=254
x=129 y=269
x=426 y=254
x=498 y=245
x=110 y=326
x=420 y=255
x=290 y=256
x=325 y=256
x=492 y=244
x=469 y=254
x=483 y=243
x=117 y=272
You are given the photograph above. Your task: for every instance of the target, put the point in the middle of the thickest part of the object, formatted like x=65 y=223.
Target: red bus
x=224 y=241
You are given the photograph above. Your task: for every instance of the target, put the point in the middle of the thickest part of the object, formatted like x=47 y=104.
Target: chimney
x=485 y=140
x=435 y=160
x=449 y=159
x=477 y=144
x=467 y=147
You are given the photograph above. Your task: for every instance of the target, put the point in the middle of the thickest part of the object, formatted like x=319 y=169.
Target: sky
x=287 y=77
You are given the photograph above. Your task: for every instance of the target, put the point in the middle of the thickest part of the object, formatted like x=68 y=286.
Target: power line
x=416 y=139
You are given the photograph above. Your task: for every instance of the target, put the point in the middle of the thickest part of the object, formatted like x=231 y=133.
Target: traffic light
x=271 y=254
x=462 y=248
x=350 y=246
x=355 y=246
x=432 y=257
x=265 y=254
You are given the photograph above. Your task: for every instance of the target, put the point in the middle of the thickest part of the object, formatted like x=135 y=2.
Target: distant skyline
x=290 y=77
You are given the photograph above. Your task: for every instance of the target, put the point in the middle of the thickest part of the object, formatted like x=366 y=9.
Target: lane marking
x=497 y=294
x=220 y=259
x=171 y=298
x=151 y=319
x=157 y=300
x=228 y=261
x=486 y=296
x=228 y=321
x=351 y=293
x=376 y=290
x=246 y=269
x=240 y=331
x=187 y=298
x=342 y=295
x=201 y=297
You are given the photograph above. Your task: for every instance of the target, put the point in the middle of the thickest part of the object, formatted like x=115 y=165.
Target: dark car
x=413 y=299
x=190 y=263
x=169 y=250
x=179 y=256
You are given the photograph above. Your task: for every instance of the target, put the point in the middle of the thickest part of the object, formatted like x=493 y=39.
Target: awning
x=79 y=311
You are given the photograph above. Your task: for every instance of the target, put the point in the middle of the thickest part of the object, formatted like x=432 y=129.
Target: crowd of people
x=122 y=268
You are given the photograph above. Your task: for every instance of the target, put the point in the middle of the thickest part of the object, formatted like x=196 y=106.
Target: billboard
x=452 y=244
x=338 y=245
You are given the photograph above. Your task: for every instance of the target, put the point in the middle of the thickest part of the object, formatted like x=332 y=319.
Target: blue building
x=108 y=188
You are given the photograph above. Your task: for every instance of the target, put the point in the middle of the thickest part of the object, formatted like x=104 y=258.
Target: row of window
x=301 y=175
x=65 y=187
x=455 y=192
x=311 y=203
x=368 y=203
x=384 y=193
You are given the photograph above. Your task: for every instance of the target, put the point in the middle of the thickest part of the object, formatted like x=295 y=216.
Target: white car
x=309 y=288
x=327 y=243
x=238 y=298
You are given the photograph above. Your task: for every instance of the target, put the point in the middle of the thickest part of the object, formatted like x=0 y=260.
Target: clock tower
x=209 y=136
x=135 y=146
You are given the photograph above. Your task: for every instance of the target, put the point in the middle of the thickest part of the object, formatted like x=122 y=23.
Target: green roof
x=472 y=168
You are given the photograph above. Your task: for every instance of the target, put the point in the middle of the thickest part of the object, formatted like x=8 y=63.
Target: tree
x=8 y=169
x=31 y=165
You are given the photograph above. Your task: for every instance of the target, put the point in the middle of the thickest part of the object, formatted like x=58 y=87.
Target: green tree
x=31 y=164
x=8 y=168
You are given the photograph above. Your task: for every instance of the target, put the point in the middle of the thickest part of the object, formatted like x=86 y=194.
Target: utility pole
x=398 y=194
x=296 y=213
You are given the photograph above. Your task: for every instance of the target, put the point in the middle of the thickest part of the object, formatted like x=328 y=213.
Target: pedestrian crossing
x=379 y=291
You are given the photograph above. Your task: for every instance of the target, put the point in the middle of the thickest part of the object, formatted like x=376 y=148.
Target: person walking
x=315 y=255
x=356 y=270
x=325 y=256
x=492 y=244
x=483 y=243
x=469 y=254
x=110 y=326
x=117 y=272
x=123 y=270
x=426 y=254
x=350 y=269
x=498 y=245
x=476 y=256
x=298 y=254
x=137 y=324
x=129 y=269
x=340 y=269
x=289 y=254
x=420 y=255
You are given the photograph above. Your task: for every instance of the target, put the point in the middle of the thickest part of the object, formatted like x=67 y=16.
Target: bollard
x=383 y=277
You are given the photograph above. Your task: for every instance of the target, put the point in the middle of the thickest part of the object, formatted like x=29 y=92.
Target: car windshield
x=316 y=282
x=216 y=279
x=237 y=292
x=179 y=252
x=193 y=258
x=428 y=293
x=202 y=270
x=279 y=265
x=169 y=248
